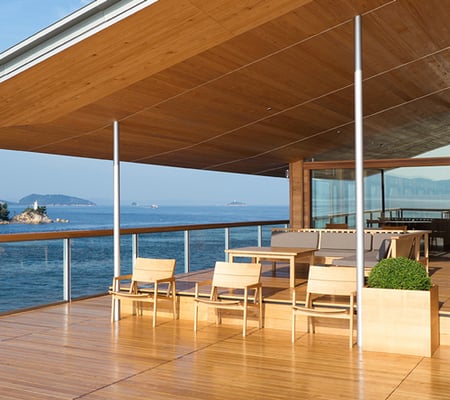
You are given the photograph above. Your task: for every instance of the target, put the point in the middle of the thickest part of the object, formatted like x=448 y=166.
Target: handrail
x=67 y=256
x=76 y=234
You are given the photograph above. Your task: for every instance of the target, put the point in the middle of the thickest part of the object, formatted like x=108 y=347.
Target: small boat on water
x=235 y=203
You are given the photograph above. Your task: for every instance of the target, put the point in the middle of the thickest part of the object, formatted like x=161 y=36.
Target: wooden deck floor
x=73 y=351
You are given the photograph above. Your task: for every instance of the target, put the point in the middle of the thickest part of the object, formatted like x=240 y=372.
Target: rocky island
x=32 y=216
x=37 y=214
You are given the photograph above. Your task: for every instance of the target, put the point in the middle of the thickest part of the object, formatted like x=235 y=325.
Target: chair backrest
x=403 y=246
x=236 y=275
x=153 y=269
x=295 y=239
x=337 y=281
x=336 y=226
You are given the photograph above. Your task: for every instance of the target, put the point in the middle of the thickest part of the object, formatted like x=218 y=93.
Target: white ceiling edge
x=65 y=33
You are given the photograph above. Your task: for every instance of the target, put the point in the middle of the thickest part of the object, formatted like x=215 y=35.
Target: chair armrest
x=201 y=283
x=122 y=277
x=254 y=286
x=118 y=279
x=165 y=280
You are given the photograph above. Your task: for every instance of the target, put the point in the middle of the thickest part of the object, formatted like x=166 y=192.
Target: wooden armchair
x=327 y=281
x=144 y=286
x=232 y=276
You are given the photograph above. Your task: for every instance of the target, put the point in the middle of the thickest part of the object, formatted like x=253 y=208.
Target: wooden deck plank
x=73 y=351
x=85 y=356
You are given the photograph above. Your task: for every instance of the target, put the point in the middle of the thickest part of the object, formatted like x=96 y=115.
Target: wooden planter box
x=400 y=321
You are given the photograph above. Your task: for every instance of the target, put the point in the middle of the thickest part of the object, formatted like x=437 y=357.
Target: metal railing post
x=187 y=251
x=134 y=246
x=259 y=235
x=67 y=295
x=227 y=242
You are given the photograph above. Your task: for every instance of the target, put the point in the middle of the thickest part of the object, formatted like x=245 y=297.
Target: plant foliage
x=4 y=212
x=399 y=273
x=41 y=210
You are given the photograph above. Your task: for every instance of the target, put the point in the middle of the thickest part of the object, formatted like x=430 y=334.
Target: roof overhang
x=233 y=86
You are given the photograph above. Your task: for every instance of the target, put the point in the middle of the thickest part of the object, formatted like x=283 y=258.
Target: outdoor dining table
x=291 y=254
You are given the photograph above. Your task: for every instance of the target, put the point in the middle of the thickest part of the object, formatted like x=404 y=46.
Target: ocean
x=31 y=273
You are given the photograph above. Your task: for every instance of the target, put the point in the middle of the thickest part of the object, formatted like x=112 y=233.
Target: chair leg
x=174 y=300
x=244 y=328
x=293 y=326
x=313 y=324
x=261 y=321
x=113 y=309
x=155 y=304
x=195 y=315
x=218 y=316
x=351 y=328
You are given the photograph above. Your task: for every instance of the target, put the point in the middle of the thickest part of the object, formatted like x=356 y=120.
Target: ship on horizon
x=236 y=203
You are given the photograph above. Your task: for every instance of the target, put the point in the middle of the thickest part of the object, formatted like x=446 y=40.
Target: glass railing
x=372 y=218
x=38 y=269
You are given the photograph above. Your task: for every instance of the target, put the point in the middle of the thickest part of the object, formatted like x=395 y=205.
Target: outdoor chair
x=234 y=277
x=145 y=285
x=336 y=226
x=398 y=228
x=330 y=282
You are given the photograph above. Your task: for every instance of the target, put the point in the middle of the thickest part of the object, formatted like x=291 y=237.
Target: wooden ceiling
x=240 y=86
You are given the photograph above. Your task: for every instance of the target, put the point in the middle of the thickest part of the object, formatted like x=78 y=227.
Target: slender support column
x=297 y=198
x=67 y=271
x=359 y=168
x=116 y=166
x=259 y=235
x=187 y=251
x=383 y=197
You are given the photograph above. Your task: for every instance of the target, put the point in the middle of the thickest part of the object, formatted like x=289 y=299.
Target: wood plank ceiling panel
x=244 y=87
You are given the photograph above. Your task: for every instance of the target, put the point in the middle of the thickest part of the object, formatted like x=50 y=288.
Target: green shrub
x=399 y=273
x=4 y=212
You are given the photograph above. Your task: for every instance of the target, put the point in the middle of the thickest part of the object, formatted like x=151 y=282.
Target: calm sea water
x=100 y=217
x=31 y=273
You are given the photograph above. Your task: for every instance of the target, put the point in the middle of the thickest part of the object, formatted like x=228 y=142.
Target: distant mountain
x=54 y=200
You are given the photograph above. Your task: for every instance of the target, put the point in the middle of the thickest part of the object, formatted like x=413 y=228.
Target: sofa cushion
x=343 y=241
x=383 y=249
x=295 y=239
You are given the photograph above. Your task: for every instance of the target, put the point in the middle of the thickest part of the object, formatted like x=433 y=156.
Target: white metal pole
x=67 y=270
x=359 y=169
x=116 y=167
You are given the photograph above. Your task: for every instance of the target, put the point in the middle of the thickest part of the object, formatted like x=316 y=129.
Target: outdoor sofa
x=338 y=246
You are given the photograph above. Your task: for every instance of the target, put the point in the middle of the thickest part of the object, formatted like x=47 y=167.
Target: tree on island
x=41 y=210
x=4 y=212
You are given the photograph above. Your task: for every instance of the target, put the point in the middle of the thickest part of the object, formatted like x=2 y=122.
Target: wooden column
x=299 y=195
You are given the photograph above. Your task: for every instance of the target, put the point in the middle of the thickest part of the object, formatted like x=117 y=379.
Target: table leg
x=292 y=272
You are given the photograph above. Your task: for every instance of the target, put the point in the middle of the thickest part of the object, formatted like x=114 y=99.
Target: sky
x=26 y=173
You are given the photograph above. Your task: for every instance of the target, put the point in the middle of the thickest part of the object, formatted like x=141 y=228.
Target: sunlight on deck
x=73 y=351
